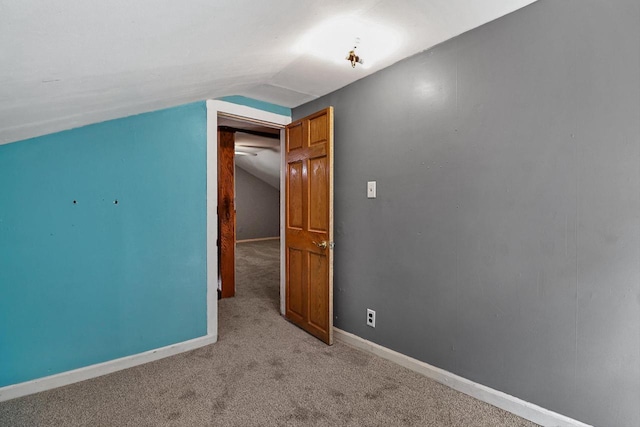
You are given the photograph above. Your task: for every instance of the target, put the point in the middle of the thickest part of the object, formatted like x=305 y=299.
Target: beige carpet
x=262 y=372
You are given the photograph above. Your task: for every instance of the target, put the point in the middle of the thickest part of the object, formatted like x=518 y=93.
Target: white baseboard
x=99 y=369
x=260 y=239
x=526 y=410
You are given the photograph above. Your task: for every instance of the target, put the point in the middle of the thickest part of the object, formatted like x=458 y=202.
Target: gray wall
x=504 y=245
x=257 y=207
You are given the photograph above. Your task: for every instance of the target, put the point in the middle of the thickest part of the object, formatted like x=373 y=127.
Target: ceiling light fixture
x=245 y=153
x=353 y=58
x=327 y=40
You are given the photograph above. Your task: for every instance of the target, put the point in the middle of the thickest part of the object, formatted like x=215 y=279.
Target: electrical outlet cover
x=371 y=318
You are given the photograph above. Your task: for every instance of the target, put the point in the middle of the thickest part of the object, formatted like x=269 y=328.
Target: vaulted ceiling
x=68 y=63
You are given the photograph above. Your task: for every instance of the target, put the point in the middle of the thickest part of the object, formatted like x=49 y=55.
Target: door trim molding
x=519 y=407
x=92 y=371
x=241 y=112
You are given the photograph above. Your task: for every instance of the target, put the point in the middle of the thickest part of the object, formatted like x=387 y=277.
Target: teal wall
x=93 y=281
x=260 y=105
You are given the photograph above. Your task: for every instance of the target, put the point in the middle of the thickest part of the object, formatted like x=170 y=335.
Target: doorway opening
x=259 y=135
x=245 y=113
x=249 y=163
x=306 y=254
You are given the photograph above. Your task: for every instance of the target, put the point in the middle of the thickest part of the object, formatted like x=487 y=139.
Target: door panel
x=318 y=195
x=309 y=224
x=294 y=196
x=294 y=137
x=295 y=283
x=318 y=290
x=318 y=129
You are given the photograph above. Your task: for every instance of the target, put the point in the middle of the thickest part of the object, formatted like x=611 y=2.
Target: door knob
x=322 y=244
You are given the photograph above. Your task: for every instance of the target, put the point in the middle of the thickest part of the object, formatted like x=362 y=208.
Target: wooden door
x=309 y=224
x=226 y=213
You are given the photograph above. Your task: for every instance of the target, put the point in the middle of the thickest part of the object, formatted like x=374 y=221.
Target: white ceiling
x=67 y=63
x=265 y=163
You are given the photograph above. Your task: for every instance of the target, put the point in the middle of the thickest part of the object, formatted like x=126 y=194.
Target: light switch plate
x=371 y=190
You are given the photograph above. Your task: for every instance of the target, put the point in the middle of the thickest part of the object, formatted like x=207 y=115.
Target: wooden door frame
x=241 y=112
x=226 y=213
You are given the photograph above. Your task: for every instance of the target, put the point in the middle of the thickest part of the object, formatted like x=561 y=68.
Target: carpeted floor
x=262 y=372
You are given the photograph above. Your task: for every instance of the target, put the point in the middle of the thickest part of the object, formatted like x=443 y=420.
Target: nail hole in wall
x=115 y=202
